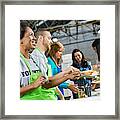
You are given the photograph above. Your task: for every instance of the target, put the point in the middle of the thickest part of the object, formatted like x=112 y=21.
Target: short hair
x=40 y=32
x=23 y=27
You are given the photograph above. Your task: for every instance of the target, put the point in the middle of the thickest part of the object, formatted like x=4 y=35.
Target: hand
x=75 y=69
x=73 y=88
x=70 y=69
x=40 y=81
x=74 y=75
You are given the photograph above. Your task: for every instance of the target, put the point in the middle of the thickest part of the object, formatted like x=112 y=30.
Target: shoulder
x=76 y=65
x=22 y=63
x=36 y=54
x=89 y=65
x=49 y=60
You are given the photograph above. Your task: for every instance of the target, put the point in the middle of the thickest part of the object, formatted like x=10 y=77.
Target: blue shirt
x=55 y=70
x=85 y=80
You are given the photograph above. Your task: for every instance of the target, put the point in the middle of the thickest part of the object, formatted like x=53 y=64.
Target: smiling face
x=58 y=54
x=33 y=43
x=29 y=39
x=56 y=51
x=78 y=56
x=47 y=39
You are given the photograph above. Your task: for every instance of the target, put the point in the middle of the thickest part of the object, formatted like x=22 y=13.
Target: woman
x=29 y=82
x=54 y=60
x=80 y=63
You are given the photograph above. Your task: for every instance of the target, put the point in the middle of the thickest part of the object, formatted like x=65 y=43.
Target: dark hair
x=23 y=26
x=84 y=62
x=96 y=44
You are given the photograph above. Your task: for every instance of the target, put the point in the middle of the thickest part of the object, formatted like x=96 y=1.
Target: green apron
x=39 y=93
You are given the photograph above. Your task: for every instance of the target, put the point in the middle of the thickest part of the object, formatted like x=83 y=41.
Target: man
x=38 y=55
x=28 y=84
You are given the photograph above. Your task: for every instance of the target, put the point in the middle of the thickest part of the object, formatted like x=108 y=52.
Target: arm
x=57 y=76
x=56 y=82
x=25 y=89
x=32 y=86
x=64 y=73
x=70 y=86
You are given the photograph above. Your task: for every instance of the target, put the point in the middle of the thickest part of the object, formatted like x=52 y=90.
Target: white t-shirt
x=24 y=74
x=25 y=71
x=41 y=61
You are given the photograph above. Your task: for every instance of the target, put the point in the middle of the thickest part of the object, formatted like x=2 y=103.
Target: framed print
x=77 y=24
